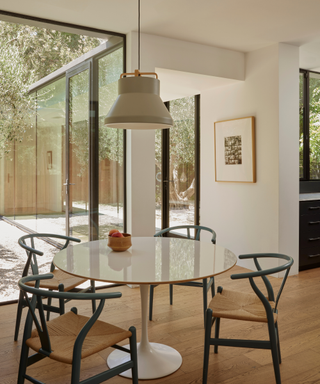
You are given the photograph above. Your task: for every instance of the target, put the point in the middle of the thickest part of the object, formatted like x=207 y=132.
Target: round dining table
x=150 y=260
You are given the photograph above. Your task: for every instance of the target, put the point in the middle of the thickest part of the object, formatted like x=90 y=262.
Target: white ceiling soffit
x=242 y=25
x=176 y=84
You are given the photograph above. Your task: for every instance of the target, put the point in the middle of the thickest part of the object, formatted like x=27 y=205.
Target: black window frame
x=307 y=185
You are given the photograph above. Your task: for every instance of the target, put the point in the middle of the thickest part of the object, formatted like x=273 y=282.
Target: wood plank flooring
x=181 y=327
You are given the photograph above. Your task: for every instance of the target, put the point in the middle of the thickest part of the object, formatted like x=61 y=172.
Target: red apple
x=112 y=231
x=117 y=234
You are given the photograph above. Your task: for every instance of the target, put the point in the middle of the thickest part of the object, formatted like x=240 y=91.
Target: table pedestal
x=154 y=360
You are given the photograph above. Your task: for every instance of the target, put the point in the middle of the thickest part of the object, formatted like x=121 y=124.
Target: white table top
x=150 y=260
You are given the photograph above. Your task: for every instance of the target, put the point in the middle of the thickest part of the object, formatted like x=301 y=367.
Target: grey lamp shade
x=138 y=105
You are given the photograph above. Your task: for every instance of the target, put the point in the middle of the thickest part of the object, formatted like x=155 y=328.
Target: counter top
x=309 y=196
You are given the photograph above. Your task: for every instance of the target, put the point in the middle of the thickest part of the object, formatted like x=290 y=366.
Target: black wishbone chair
x=71 y=337
x=249 y=307
x=61 y=281
x=205 y=284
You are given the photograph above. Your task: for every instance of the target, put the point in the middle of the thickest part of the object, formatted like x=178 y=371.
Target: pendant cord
x=139 y=38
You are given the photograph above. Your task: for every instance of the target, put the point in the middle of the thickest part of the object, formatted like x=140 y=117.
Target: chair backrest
x=263 y=274
x=196 y=228
x=36 y=307
x=32 y=252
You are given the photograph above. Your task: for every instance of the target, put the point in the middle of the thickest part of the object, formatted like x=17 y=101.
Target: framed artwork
x=235 y=150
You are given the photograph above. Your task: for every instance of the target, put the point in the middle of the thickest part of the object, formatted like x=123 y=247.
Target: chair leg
x=19 y=313
x=278 y=341
x=151 y=301
x=93 y=290
x=75 y=374
x=134 y=355
x=205 y=298
x=61 y=301
x=23 y=363
x=207 y=334
x=216 y=333
x=171 y=293
x=49 y=302
x=212 y=288
x=274 y=351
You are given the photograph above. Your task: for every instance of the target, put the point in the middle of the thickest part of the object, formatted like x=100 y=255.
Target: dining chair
x=71 y=337
x=205 y=284
x=61 y=281
x=249 y=306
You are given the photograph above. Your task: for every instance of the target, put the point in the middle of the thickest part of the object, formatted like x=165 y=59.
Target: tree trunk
x=177 y=198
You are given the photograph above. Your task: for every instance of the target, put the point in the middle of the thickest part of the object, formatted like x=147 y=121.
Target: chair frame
x=32 y=262
x=205 y=284
x=273 y=343
x=36 y=303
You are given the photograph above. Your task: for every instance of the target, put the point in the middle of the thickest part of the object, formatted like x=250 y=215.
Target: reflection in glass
x=50 y=151
x=111 y=187
x=79 y=155
x=181 y=263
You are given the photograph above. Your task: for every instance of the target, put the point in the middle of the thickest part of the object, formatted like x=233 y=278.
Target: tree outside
x=314 y=126
x=28 y=54
x=182 y=153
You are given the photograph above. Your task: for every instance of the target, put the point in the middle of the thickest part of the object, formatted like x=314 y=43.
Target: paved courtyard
x=13 y=257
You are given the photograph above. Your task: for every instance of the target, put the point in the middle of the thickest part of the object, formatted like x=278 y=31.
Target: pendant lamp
x=138 y=105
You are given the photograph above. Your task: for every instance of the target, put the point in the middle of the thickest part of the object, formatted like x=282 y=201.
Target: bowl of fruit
x=118 y=241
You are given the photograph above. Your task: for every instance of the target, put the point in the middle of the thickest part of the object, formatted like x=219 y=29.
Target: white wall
x=289 y=152
x=259 y=217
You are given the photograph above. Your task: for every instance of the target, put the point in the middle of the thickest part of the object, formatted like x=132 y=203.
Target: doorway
x=178 y=166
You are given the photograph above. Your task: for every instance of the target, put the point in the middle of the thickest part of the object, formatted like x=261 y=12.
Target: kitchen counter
x=309 y=196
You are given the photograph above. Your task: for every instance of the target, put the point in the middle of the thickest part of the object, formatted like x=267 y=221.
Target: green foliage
x=314 y=127
x=182 y=149
x=28 y=54
x=181 y=134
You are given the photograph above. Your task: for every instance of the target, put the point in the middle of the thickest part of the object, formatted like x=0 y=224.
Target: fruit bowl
x=120 y=244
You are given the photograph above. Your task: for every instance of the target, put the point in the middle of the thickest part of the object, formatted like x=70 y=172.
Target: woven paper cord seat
x=240 y=306
x=59 y=277
x=64 y=330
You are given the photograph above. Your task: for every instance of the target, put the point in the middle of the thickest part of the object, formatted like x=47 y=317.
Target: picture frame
x=234 y=142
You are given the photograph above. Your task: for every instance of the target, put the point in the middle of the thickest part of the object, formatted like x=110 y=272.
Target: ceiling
x=242 y=25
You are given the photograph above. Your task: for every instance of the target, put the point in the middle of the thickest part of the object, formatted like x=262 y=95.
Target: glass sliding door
x=111 y=154
x=50 y=156
x=177 y=166
x=77 y=153
x=182 y=162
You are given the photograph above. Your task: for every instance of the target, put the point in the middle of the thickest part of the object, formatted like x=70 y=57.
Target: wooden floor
x=181 y=327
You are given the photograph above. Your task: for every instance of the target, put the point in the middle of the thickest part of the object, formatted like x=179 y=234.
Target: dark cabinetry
x=309 y=241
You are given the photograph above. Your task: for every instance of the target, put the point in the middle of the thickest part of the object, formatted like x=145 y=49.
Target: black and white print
x=232 y=150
